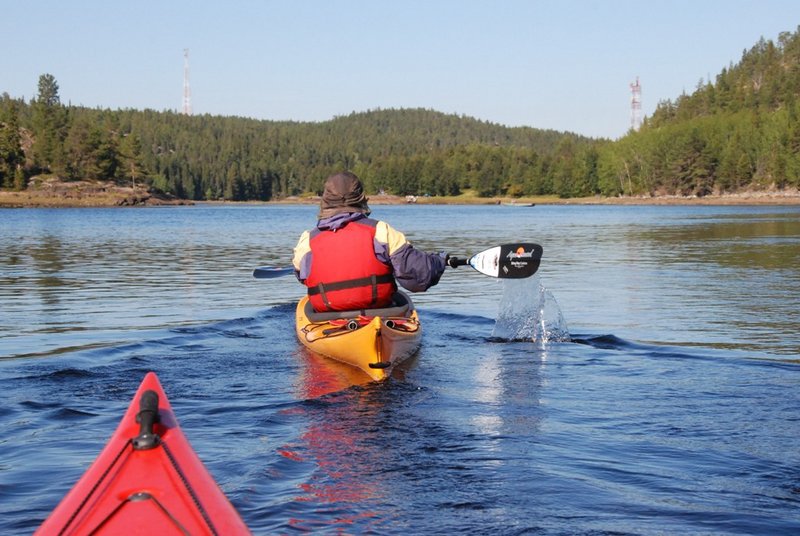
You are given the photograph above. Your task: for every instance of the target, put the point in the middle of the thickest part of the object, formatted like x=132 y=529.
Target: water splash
x=529 y=312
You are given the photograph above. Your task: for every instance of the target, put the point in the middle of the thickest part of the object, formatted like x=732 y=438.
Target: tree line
x=739 y=132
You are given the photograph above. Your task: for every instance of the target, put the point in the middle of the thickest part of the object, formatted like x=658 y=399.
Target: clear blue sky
x=556 y=64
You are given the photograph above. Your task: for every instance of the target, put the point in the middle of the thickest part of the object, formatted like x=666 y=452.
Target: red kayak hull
x=162 y=490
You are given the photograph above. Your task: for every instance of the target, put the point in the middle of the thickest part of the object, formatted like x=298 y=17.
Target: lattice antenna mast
x=636 y=105
x=187 y=92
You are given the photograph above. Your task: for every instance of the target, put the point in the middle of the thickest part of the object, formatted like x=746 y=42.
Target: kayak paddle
x=508 y=261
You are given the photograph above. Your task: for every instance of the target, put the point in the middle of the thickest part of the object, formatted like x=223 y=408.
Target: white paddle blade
x=487 y=262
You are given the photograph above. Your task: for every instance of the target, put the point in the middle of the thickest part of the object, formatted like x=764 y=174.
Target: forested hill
x=740 y=132
x=766 y=80
x=405 y=151
x=410 y=131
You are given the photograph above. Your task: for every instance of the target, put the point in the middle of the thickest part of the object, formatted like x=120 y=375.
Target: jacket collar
x=337 y=221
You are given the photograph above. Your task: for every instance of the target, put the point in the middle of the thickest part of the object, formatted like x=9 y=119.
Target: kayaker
x=350 y=261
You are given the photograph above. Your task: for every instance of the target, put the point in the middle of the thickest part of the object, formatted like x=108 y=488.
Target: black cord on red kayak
x=143 y=496
x=190 y=490
x=94 y=488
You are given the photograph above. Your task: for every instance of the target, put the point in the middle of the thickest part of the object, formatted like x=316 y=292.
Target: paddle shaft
x=507 y=261
x=455 y=262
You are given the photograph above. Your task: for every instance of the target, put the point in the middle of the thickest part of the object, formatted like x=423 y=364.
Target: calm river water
x=666 y=398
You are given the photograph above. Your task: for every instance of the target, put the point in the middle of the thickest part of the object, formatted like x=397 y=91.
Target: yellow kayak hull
x=373 y=340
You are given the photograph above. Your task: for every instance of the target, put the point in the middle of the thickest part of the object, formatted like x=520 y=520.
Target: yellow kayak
x=373 y=340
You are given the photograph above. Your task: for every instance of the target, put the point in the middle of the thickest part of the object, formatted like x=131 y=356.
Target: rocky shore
x=53 y=193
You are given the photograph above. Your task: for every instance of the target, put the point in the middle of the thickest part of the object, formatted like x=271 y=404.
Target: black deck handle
x=147 y=418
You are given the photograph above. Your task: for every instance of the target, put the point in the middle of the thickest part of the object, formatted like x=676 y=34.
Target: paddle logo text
x=520 y=253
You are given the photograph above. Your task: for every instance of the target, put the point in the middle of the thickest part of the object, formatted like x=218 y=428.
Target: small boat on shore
x=513 y=204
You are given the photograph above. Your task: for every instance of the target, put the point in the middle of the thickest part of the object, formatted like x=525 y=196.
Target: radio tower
x=636 y=105
x=187 y=92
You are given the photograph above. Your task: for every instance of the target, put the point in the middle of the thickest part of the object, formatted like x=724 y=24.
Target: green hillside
x=740 y=132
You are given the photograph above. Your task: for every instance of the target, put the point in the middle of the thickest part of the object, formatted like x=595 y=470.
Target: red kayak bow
x=147 y=480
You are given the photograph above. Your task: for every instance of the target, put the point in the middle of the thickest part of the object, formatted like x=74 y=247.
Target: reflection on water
x=101 y=275
x=719 y=276
x=337 y=403
x=732 y=243
x=322 y=376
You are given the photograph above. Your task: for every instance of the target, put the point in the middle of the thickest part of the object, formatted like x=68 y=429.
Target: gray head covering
x=343 y=193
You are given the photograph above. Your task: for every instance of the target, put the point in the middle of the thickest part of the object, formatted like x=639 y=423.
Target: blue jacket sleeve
x=416 y=270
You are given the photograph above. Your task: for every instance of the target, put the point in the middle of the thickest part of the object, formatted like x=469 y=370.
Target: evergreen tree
x=131 y=168
x=12 y=158
x=49 y=123
x=792 y=145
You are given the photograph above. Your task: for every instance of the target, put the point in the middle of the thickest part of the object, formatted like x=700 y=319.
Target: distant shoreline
x=79 y=195
x=83 y=194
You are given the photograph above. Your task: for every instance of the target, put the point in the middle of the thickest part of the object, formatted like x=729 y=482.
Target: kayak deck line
x=147 y=479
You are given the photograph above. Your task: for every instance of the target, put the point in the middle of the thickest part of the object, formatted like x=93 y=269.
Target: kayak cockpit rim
x=401 y=300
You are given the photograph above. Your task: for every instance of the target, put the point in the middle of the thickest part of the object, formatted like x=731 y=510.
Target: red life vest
x=345 y=274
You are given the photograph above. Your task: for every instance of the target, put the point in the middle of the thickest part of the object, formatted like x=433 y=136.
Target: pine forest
x=739 y=132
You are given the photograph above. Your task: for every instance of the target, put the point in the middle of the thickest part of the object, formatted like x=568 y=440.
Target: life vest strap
x=372 y=281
